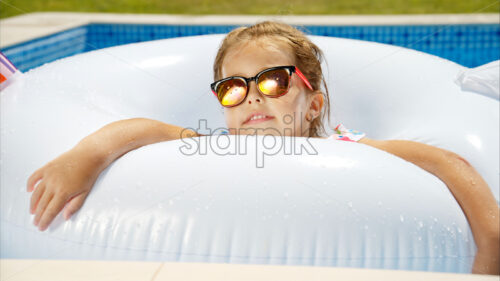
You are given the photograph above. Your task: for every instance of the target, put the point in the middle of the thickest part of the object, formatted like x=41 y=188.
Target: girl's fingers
x=33 y=179
x=42 y=204
x=74 y=205
x=53 y=208
x=36 y=196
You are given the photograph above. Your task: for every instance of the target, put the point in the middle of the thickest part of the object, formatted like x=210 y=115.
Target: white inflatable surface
x=338 y=204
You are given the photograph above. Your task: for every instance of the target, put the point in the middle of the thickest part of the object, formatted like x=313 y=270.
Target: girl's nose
x=253 y=94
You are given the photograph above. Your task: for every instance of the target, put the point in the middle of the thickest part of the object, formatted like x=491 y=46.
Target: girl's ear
x=316 y=101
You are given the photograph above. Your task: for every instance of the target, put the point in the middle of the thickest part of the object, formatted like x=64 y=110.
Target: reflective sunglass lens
x=274 y=82
x=231 y=92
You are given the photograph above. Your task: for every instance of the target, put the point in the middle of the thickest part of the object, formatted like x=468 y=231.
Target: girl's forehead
x=249 y=58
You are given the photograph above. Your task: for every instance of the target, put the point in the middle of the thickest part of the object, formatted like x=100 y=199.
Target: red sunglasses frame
x=291 y=69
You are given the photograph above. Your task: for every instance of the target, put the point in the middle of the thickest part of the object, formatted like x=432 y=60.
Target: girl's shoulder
x=342 y=133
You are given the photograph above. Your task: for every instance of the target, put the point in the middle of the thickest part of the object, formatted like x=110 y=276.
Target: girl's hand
x=67 y=179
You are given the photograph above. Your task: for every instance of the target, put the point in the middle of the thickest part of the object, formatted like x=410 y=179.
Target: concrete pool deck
x=54 y=270
x=34 y=25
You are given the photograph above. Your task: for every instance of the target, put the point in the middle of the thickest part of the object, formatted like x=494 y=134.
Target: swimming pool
x=466 y=44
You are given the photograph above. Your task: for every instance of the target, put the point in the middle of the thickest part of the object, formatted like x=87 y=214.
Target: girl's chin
x=261 y=130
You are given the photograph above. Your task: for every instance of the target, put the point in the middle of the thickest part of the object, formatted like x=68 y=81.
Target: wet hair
x=307 y=57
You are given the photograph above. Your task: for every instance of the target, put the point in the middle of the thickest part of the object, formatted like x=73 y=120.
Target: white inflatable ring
x=348 y=205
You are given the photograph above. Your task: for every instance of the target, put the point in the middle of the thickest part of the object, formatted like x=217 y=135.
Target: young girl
x=267 y=76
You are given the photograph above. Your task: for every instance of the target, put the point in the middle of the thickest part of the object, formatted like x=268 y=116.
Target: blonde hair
x=307 y=56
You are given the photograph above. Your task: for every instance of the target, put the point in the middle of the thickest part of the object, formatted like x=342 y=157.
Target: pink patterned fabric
x=342 y=133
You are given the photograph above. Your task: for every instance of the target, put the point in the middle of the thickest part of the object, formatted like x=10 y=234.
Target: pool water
x=470 y=45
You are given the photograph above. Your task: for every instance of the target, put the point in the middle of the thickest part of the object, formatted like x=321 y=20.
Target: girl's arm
x=118 y=138
x=69 y=178
x=469 y=189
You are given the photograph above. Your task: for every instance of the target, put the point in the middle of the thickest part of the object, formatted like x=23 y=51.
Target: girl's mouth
x=259 y=120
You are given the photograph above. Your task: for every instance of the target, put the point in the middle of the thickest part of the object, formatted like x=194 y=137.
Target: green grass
x=9 y=8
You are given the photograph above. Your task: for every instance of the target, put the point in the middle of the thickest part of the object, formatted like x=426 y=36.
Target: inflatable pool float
x=339 y=204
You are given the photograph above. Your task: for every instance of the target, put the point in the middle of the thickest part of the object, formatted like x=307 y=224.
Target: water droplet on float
x=420 y=224
x=459 y=230
x=349 y=204
x=401 y=218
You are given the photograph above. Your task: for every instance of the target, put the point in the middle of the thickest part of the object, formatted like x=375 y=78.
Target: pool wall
x=467 y=44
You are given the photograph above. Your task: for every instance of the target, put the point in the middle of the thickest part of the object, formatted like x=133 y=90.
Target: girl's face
x=287 y=113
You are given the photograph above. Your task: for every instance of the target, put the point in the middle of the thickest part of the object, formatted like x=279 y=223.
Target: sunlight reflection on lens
x=233 y=96
x=268 y=86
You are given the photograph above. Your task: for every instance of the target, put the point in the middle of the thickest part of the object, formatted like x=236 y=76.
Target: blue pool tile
x=468 y=44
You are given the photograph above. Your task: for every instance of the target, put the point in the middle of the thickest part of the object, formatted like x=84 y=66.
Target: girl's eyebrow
x=237 y=74
x=263 y=68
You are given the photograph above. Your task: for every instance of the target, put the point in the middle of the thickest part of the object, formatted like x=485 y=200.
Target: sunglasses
x=272 y=82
